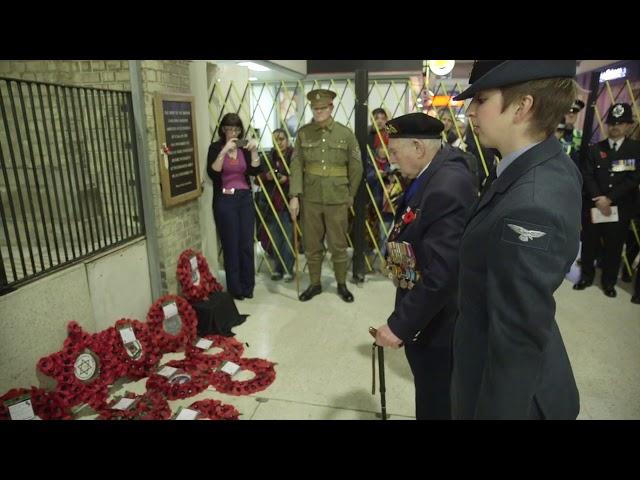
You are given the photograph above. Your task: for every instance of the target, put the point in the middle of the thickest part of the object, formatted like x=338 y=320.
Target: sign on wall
x=178 y=151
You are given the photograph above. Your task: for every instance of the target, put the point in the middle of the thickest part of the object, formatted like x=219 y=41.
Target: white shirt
x=612 y=144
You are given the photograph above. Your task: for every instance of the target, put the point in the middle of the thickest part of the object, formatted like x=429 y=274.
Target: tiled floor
x=323 y=352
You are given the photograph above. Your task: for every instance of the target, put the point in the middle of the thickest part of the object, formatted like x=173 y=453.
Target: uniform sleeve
x=296 y=168
x=214 y=150
x=441 y=237
x=355 y=165
x=588 y=173
x=524 y=269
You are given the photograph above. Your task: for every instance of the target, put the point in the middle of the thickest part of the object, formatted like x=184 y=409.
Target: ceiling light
x=254 y=66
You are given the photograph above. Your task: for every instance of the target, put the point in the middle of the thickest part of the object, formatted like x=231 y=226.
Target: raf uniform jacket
x=519 y=242
x=601 y=177
x=425 y=314
x=326 y=166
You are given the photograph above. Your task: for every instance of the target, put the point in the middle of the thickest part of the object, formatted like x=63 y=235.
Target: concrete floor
x=323 y=352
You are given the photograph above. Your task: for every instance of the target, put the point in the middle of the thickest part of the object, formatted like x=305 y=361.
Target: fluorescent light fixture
x=253 y=79
x=254 y=66
x=613 y=74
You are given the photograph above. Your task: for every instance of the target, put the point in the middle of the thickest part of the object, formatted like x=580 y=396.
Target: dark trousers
x=431 y=368
x=632 y=247
x=280 y=241
x=612 y=237
x=235 y=219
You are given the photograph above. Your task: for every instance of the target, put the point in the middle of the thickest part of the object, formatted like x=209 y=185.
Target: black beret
x=415 y=125
x=488 y=74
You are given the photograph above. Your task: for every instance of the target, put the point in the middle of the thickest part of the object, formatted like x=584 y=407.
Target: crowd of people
x=478 y=226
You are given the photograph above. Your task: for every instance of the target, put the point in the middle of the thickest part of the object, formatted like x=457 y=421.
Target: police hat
x=619 y=113
x=320 y=97
x=488 y=74
x=415 y=125
x=577 y=106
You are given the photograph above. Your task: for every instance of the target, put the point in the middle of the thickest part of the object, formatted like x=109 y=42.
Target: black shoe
x=625 y=277
x=248 y=295
x=237 y=297
x=610 y=292
x=276 y=276
x=635 y=299
x=310 y=292
x=582 y=284
x=344 y=293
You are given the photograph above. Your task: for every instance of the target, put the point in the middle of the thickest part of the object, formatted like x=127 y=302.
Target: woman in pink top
x=229 y=163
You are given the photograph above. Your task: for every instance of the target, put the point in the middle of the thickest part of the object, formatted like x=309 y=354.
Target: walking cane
x=383 y=398
x=295 y=247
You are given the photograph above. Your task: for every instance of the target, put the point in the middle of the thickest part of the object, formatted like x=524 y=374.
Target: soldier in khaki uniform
x=326 y=170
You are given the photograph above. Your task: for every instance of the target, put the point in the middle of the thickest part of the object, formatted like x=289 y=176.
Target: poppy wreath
x=46 y=405
x=165 y=341
x=61 y=366
x=207 y=284
x=150 y=406
x=264 y=371
x=215 y=410
x=149 y=356
x=200 y=379
x=232 y=350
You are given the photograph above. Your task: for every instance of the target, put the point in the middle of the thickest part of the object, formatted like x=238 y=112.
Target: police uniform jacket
x=614 y=174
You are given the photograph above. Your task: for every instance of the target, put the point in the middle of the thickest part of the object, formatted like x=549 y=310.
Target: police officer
x=509 y=360
x=422 y=256
x=326 y=170
x=611 y=178
x=572 y=135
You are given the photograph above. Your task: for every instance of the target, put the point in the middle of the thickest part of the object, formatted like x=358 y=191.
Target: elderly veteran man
x=422 y=256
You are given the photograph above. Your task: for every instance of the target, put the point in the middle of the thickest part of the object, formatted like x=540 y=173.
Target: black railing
x=69 y=186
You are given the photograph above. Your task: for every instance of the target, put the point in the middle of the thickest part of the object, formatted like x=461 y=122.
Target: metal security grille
x=69 y=186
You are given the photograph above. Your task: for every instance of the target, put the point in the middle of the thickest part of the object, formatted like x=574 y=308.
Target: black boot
x=609 y=291
x=310 y=292
x=582 y=284
x=344 y=293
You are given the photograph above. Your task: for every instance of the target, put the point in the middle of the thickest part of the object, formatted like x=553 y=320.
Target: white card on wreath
x=230 y=368
x=187 y=414
x=170 y=309
x=204 y=344
x=127 y=335
x=22 y=410
x=167 y=371
x=124 y=403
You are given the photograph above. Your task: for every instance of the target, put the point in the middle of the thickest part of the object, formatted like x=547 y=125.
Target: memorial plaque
x=177 y=145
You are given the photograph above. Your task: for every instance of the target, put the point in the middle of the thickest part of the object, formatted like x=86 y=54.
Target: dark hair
x=280 y=130
x=230 y=120
x=376 y=111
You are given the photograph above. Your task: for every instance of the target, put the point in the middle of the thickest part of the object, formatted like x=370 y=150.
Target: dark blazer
x=509 y=360
x=216 y=177
x=620 y=187
x=425 y=314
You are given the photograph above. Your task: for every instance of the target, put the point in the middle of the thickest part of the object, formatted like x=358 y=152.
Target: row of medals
x=401 y=265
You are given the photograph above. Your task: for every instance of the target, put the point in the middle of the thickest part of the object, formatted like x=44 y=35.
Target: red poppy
x=408 y=217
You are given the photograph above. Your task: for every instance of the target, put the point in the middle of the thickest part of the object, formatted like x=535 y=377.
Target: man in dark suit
x=422 y=256
x=611 y=178
x=509 y=360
